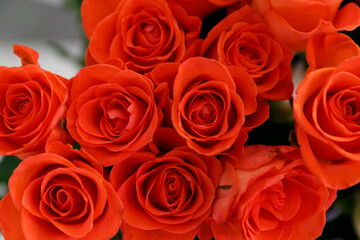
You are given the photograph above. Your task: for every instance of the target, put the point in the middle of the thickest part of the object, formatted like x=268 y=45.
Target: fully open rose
x=32 y=104
x=327 y=113
x=269 y=194
x=295 y=21
x=112 y=113
x=139 y=32
x=53 y=198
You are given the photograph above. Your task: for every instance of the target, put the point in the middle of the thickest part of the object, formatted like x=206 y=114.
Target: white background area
x=37 y=23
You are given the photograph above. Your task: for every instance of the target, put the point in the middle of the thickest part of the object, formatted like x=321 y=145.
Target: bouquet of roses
x=149 y=139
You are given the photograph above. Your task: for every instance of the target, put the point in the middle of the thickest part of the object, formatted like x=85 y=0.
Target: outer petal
x=339 y=176
x=26 y=54
x=93 y=12
x=131 y=233
x=329 y=50
x=10 y=219
x=285 y=23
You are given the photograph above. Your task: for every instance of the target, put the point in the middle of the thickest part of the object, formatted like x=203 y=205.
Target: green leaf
x=7 y=166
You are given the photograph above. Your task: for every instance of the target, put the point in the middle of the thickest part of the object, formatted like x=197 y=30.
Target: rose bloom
x=52 y=198
x=113 y=112
x=165 y=196
x=32 y=103
x=211 y=103
x=139 y=32
x=295 y=21
x=269 y=194
x=327 y=115
x=243 y=40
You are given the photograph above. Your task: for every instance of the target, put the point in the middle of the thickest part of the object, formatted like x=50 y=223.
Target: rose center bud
x=269 y=201
x=149 y=34
x=248 y=52
x=275 y=197
x=65 y=202
x=21 y=106
x=352 y=110
x=117 y=114
x=18 y=104
x=203 y=110
x=171 y=185
x=176 y=190
x=59 y=200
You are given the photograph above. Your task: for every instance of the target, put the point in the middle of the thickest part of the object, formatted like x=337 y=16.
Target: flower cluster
x=150 y=137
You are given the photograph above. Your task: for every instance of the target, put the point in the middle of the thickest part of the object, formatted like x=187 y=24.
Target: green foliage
x=7 y=166
x=73 y=4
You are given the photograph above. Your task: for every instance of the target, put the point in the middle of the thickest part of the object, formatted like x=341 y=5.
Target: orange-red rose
x=210 y=103
x=139 y=32
x=168 y=196
x=32 y=103
x=112 y=113
x=327 y=114
x=295 y=21
x=53 y=198
x=269 y=195
x=243 y=40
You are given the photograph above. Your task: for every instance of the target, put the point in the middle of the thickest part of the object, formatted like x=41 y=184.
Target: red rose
x=32 y=103
x=295 y=21
x=210 y=103
x=52 y=198
x=243 y=40
x=269 y=195
x=112 y=113
x=139 y=32
x=168 y=196
x=327 y=115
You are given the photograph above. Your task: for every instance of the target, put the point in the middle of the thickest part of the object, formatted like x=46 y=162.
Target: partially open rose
x=32 y=104
x=270 y=194
x=53 y=198
x=167 y=196
x=327 y=114
x=139 y=32
x=243 y=40
x=112 y=113
x=210 y=103
x=295 y=21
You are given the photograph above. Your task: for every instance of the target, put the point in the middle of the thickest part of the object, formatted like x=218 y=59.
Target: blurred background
x=53 y=28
